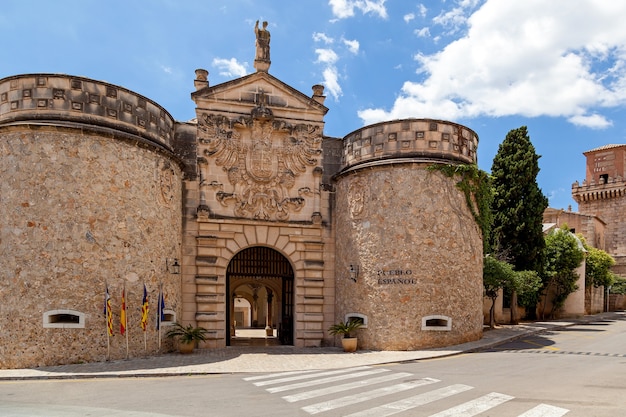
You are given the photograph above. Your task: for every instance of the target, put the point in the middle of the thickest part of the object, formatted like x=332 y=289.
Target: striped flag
x=123 y=313
x=108 y=313
x=144 y=309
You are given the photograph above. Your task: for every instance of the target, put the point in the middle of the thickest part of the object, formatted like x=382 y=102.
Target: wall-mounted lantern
x=172 y=266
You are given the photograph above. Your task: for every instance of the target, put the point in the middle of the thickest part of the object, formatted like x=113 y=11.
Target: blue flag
x=160 y=310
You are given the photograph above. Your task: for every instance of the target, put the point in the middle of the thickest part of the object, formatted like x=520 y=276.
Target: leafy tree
x=527 y=285
x=564 y=254
x=496 y=275
x=598 y=267
x=518 y=204
x=619 y=287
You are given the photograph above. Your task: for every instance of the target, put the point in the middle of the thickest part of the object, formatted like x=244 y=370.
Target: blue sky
x=556 y=66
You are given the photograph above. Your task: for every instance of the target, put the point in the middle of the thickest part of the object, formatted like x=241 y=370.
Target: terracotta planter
x=186 y=347
x=349 y=344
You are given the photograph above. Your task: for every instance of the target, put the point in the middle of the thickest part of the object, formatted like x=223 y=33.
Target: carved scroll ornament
x=263 y=157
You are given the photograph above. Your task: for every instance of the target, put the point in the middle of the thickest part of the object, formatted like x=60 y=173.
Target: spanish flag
x=123 y=313
x=144 y=309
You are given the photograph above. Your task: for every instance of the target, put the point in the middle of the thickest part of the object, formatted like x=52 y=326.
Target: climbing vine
x=476 y=187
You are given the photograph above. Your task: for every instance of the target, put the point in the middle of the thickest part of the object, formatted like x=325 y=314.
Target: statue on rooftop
x=262 y=42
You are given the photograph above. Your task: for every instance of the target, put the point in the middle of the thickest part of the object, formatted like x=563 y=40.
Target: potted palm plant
x=186 y=336
x=348 y=341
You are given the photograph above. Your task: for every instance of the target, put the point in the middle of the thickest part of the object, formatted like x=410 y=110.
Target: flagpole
x=108 y=336
x=106 y=320
x=144 y=326
x=159 y=313
x=127 y=330
x=126 y=320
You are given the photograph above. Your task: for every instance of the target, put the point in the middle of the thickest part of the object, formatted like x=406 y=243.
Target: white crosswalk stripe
x=366 y=396
x=363 y=389
x=321 y=381
x=477 y=406
x=545 y=410
x=411 y=402
x=345 y=387
x=310 y=375
x=270 y=376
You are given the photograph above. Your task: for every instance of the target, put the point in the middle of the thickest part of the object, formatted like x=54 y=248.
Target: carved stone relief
x=263 y=157
x=166 y=183
x=358 y=196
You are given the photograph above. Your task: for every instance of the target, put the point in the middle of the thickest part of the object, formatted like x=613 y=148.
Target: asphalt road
x=576 y=371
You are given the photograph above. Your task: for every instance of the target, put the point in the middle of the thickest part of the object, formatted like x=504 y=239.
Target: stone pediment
x=259 y=147
x=239 y=96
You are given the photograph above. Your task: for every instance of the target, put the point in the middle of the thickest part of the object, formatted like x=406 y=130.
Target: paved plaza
x=255 y=356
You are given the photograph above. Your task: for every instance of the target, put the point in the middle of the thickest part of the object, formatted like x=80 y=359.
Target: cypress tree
x=518 y=203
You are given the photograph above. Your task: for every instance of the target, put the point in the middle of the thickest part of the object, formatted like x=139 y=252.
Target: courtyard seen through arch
x=259 y=287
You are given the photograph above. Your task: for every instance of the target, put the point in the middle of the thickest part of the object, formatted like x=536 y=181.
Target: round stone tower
x=409 y=252
x=90 y=197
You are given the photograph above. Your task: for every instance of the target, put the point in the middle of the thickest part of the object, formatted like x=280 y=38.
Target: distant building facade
x=592 y=228
x=603 y=194
x=246 y=216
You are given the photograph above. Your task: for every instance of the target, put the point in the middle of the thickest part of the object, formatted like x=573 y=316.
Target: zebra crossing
x=334 y=391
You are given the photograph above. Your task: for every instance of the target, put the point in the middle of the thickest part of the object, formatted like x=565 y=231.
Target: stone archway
x=265 y=277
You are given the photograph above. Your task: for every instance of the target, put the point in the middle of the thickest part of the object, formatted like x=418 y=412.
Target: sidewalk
x=276 y=358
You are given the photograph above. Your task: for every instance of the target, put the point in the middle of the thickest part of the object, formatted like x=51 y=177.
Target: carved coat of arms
x=166 y=183
x=263 y=157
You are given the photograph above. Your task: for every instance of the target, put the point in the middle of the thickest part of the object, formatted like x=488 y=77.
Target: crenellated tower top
x=605 y=174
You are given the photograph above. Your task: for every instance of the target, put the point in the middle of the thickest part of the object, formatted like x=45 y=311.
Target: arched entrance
x=259 y=295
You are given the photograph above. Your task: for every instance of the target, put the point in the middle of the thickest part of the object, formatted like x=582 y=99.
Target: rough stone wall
x=418 y=250
x=77 y=211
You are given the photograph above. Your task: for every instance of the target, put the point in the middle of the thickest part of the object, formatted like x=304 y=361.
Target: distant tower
x=603 y=194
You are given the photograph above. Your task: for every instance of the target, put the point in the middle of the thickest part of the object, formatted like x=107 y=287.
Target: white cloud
x=408 y=17
x=330 y=74
x=422 y=33
x=514 y=61
x=593 y=121
x=452 y=20
x=455 y=19
x=230 y=67
x=322 y=37
x=422 y=10
x=331 y=82
x=345 y=8
x=326 y=56
x=353 y=46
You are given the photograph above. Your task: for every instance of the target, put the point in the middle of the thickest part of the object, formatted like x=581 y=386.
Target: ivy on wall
x=476 y=187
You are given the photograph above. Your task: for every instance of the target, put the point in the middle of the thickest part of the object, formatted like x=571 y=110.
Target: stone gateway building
x=245 y=217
